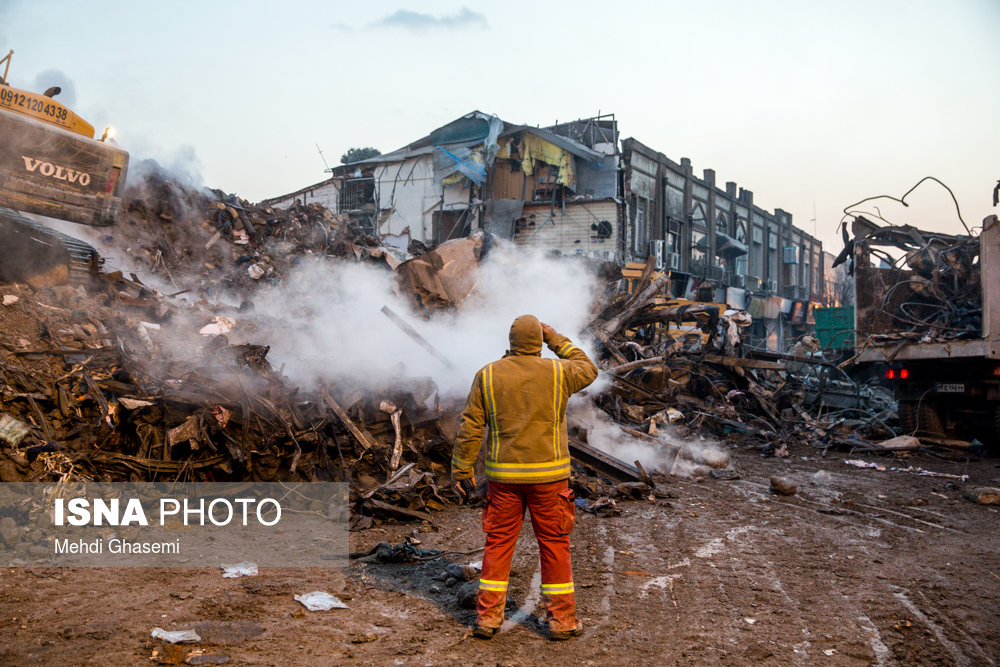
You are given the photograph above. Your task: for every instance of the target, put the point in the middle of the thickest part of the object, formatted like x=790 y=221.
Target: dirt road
x=860 y=567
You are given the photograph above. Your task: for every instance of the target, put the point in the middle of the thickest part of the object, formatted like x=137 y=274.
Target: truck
x=51 y=165
x=931 y=315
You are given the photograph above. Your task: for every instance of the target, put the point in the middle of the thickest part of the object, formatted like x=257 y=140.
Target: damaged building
x=538 y=187
x=719 y=246
x=578 y=189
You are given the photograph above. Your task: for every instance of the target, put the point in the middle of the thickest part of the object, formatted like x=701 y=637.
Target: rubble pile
x=118 y=382
x=87 y=394
x=214 y=243
x=685 y=364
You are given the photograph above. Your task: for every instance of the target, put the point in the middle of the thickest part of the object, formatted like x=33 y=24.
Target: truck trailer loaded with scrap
x=932 y=316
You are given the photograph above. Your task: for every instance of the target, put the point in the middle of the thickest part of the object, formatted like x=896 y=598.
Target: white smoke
x=694 y=459
x=324 y=323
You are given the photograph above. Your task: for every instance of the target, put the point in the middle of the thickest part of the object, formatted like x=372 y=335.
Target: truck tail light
x=900 y=374
x=890 y=374
x=903 y=374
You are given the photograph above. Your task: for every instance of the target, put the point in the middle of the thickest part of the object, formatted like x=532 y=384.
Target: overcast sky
x=807 y=104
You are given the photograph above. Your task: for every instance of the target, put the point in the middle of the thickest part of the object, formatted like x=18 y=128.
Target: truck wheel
x=929 y=421
x=922 y=418
x=907 y=417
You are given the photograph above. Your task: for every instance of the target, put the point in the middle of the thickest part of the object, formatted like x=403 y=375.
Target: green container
x=835 y=327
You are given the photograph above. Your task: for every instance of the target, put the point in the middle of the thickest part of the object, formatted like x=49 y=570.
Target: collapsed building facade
x=578 y=189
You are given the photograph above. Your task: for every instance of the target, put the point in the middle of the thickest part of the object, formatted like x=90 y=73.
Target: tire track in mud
x=771 y=572
x=879 y=602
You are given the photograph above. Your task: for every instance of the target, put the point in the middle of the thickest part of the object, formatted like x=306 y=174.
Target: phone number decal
x=12 y=98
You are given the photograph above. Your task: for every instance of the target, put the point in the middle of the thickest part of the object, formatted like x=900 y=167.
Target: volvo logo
x=56 y=171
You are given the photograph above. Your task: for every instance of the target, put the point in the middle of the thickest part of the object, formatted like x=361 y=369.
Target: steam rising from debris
x=694 y=460
x=171 y=198
x=325 y=321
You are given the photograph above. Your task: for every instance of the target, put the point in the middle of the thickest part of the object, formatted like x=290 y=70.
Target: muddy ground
x=861 y=567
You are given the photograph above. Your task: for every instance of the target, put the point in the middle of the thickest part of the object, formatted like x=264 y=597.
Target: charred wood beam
x=401 y=511
x=690 y=312
x=774 y=356
x=601 y=463
x=611 y=327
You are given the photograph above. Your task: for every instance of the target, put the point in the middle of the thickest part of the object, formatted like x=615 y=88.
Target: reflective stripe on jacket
x=520 y=402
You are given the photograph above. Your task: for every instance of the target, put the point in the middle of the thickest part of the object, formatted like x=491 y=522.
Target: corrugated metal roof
x=422 y=146
x=565 y=143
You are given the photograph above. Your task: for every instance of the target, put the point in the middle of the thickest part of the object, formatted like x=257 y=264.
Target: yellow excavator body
x=51 y=165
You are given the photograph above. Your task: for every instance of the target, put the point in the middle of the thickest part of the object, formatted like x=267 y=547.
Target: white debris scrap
x=858 y=463
x=239 y=570
x=176 y=636
x=221 y=325
x=320 y=601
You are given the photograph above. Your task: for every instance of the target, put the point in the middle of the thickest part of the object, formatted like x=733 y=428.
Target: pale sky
x=807 y=104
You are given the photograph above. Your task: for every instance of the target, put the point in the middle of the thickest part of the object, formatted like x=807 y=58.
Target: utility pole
x=327 y=167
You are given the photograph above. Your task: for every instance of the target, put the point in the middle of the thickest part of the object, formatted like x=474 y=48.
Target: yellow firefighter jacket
x=521 y=401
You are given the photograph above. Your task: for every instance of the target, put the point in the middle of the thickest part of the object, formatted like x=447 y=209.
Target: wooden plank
x=402 y=511
x=947 y=350
x=601 y=463
x=944 y=442
x=738 y=362
x=359 y=434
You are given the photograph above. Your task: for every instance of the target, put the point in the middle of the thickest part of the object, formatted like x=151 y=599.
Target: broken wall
x=571 y=230
x=408 y=198
x=326 y=194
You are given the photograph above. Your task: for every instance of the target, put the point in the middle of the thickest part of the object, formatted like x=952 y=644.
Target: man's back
x=520 y=401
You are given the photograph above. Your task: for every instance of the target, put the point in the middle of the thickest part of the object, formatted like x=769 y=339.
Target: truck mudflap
x=42 y=257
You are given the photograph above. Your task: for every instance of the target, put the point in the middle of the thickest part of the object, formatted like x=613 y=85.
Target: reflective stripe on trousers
x=552 y=517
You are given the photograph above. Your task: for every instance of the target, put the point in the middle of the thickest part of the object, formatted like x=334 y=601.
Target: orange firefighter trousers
x=552 y=516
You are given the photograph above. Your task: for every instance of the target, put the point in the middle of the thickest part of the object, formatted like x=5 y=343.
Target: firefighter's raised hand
x=547 y=333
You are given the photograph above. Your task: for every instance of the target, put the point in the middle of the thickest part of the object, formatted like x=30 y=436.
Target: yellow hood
x=526 y=336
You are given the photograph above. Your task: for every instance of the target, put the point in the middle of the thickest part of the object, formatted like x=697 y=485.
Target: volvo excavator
x=51 y=165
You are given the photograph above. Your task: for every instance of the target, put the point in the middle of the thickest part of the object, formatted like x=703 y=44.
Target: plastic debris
x=176 y=636
x=244 y=569
x=858 y=463
x=320 y=601
x=12 y=431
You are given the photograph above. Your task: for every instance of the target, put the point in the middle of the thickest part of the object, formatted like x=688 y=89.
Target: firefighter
x=520 y=401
